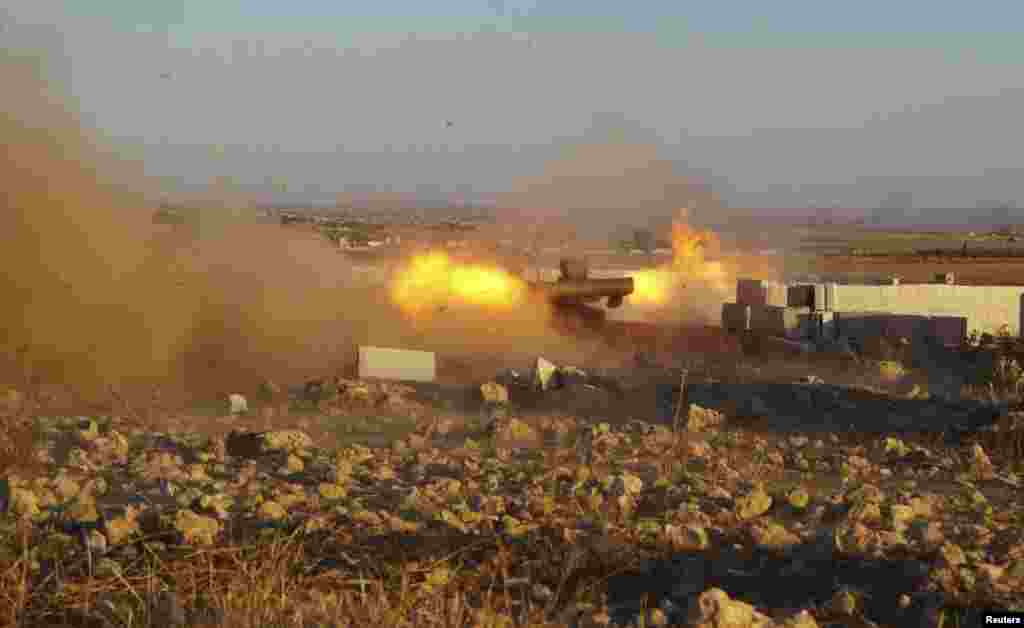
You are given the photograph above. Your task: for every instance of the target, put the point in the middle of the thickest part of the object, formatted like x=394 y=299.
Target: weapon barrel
x=586 y=289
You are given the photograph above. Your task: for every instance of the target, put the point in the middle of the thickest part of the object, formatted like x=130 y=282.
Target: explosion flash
x=656 y=286
x=433 y=280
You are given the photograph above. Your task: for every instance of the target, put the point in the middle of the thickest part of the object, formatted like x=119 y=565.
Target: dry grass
x=439 y=582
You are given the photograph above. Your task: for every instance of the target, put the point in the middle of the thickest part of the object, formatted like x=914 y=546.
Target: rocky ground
x=359 y=503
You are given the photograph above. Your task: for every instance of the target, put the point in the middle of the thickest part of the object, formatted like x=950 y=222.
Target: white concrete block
x=397 y=364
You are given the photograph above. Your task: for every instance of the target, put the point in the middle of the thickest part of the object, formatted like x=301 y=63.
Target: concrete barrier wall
x=949 y=330
x=774 y=320
x=986 y=308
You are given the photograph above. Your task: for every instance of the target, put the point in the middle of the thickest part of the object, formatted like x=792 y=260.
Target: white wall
x=985 y=307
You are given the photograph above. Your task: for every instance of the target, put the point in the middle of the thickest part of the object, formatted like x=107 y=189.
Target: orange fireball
x=656 y=286
x=432 y=280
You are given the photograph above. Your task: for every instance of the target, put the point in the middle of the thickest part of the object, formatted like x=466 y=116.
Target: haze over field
x=788 y=107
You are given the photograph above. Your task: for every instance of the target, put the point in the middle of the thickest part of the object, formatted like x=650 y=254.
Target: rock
x=331 y=491
x=541 y=593
x=952 y=555
x=255 y=444
x=82 y=510
x=855 y=538
x=923 y=507
x=798 y=498
x=803 y=619
x=294 y=464
x=844 y=603
x=196 y=529
x=698 y=449
x=11 y=399
x=928 y=533
x=120 y=526
x=689 y=538
x=494 y=392
x=237 y=404
x=1015 y=570
x=865 y=512
x=990 y=576
x=272 y=511
x=699 y=419
x=753 y=504
x=715 y=609
x=516 y=429
x=355 y=391
x=900 y=516
x=890 y=370
x=624 y=484
x=771 y=535
x=895 y=446
x=88 y=431
x=23 y=503
x=865 y=493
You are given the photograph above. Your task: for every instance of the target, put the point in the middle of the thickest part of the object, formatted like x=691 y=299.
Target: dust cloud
x=96 y=295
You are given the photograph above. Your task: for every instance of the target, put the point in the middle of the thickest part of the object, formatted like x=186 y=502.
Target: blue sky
x=769 y=100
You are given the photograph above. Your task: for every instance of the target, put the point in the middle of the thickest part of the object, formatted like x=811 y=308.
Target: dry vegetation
x=512 y=518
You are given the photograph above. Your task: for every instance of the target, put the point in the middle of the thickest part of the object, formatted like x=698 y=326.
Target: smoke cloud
x=96 y=294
